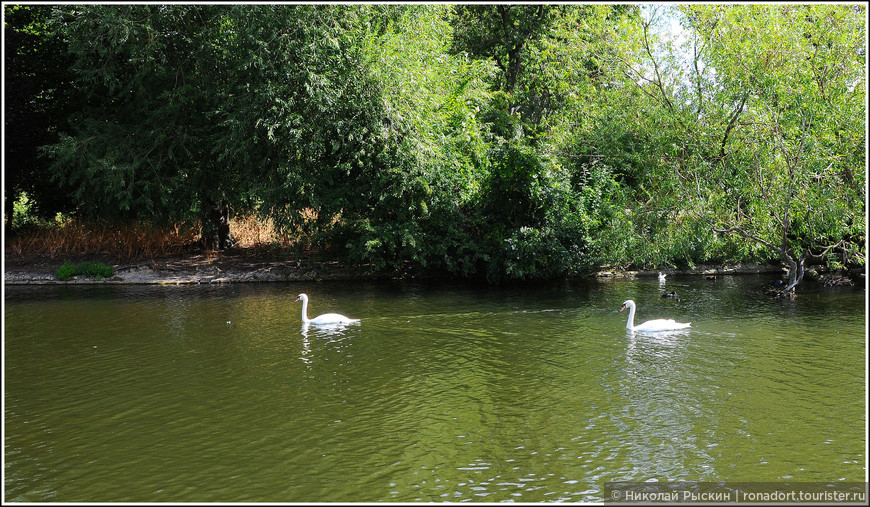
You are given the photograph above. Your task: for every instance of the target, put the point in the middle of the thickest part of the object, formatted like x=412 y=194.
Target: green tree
x=620 y=134
x=305 y=121
x=430 y=98
x=194 y=111
x=791 y=173
x=138 y=146
x=523 y=41
x=502 y=33
x=729 y=130
x=534 y=208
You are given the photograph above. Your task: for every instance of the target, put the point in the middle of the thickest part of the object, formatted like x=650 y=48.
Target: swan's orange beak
x=297 y=299
x=623 y=308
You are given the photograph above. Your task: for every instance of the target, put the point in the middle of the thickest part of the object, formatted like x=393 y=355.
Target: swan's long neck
x=630 y=324
x=305 y=310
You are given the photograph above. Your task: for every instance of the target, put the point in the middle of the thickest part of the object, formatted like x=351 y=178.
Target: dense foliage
x=96 y=270
x=504 y=142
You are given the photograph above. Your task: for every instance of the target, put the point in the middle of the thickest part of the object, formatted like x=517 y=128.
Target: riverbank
x=192 y=268
x=241 y=266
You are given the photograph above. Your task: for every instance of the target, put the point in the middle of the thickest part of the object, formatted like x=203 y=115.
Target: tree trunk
x=795 y=275
x=795 y=267
x=215 y=234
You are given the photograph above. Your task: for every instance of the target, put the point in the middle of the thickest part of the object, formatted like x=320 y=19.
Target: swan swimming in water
x=650 y=325
x=326 y=318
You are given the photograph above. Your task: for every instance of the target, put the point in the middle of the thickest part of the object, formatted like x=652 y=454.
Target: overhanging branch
x=752 y=237
x=817 y=258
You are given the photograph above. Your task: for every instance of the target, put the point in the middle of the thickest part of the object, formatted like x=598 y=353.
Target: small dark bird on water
x=671 y=294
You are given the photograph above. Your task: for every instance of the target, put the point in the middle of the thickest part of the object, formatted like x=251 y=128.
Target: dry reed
x=123 y=242
x=251 y=232
x=135 y=241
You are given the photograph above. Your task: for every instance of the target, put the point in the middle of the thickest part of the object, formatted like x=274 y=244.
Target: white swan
x=326 y=318
x=650 y=325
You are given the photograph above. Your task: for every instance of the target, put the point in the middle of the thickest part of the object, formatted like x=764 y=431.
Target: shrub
x=96 y=270
x=66 y=271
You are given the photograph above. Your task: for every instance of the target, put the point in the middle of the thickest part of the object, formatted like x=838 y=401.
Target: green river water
x=440 y=393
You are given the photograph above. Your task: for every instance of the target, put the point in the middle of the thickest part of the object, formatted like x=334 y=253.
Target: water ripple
x=524 y=395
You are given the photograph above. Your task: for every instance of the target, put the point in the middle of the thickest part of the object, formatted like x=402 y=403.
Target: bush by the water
x=96 y=270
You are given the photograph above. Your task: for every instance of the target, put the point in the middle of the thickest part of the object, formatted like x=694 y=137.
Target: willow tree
x=753 y=124
x=791 y=173
x=636 y=131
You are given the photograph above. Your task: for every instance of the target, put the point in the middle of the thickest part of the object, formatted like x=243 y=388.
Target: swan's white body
x=326 y=318
x=662 y=277
x=650 y=325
